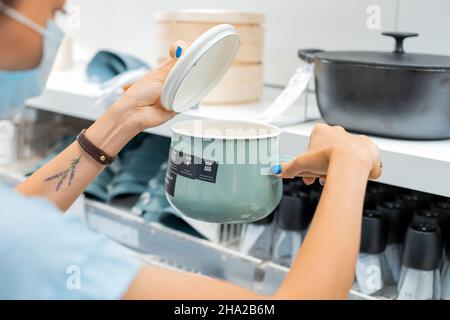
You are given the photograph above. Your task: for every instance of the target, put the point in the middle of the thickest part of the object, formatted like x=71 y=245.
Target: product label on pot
x=207 y=171
x=182 y=164
x=171 y=181
x=189 y=167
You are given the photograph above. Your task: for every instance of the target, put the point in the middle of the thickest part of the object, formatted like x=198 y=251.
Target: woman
x=38 y=245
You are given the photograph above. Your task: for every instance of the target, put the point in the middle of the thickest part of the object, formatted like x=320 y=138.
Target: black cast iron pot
x=398 y=95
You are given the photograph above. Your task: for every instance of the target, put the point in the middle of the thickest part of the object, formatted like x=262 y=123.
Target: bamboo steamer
x=243 y=82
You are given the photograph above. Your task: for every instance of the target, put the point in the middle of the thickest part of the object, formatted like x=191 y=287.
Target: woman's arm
x=324 y=267
x=64 y=178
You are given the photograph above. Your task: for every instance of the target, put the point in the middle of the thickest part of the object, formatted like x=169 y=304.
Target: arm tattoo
x=62 y=176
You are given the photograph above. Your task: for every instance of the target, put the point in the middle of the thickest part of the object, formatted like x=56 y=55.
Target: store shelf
x=170 y=247
x=417 y=165
x=70 y=94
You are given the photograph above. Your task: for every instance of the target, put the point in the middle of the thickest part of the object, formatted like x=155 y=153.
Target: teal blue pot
x=220 y=171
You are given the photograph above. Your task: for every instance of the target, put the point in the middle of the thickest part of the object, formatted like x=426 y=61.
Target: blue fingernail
x=179 y=52
x=276 y=169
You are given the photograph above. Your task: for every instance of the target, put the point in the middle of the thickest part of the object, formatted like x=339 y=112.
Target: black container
x=396 y=219
x=375 y=193
x=447 y=247
x=429 y=217
x=293 y=213
x=423 y=247
x=374 y=232
x=410 y=203
x=425 y=198
x=397 y=94
x=291 y=186
x=267 y=220
x=314 y=197
x=287 y=188
x=443 y=207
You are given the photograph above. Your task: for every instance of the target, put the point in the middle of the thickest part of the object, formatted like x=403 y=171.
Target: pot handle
x=399 y=38
x=308 y=55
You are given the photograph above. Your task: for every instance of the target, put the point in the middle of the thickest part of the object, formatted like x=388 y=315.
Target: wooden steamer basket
x=243 y=81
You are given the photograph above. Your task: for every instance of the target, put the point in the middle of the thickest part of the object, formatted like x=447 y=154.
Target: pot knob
x=308 y=55
x=399 y=38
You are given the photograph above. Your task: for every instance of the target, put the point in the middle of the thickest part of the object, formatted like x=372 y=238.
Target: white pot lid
x=200 y=68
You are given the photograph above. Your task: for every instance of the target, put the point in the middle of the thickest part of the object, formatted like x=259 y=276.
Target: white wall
x=128 y=25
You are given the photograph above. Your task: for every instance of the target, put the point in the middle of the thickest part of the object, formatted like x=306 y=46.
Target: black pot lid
x=396 y=59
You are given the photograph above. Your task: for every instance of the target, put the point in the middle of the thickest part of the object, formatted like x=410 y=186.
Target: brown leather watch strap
x=97 y=154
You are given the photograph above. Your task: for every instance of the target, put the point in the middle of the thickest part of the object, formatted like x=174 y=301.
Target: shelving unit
x=417 y=165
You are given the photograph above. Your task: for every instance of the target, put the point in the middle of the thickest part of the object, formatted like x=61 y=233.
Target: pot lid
x=200 y=68
x=396 y=59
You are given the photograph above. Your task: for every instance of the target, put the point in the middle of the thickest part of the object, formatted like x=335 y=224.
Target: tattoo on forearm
x=62 y=176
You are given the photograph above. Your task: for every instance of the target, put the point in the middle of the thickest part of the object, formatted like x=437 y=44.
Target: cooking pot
x=398 y=95
x=220 y=171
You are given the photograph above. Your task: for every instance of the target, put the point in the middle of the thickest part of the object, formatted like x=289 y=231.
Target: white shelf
x=417 y=165
x=70 y=94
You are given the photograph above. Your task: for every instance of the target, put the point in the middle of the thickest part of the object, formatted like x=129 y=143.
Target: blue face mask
x=17 y=86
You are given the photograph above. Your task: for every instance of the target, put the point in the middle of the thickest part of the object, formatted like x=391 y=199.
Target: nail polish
x=179 y=52
x=277 y=169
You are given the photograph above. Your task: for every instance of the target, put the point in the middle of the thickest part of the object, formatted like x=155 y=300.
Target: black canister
x=374 y=232
x=308 y=209
x=291 y=186
x=410 y=204
x=297 y=183
x=375 y=193
x=396 y=220
x=447 y=245
x=287 y=188
x=443 y=207
x=430 y=217
x=423 y=247
x=314 y=196
x=425 y=198
x=267 y=220
x=292 y=214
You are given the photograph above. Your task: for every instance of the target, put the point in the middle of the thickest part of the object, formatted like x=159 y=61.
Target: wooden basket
x=243 y=82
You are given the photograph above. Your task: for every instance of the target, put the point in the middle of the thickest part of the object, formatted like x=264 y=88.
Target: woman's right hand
x=141 y=105
x=328 y=143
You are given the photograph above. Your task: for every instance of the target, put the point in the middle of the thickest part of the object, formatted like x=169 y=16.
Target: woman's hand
x=139 y=109
x=142 y=101
x=328 y=143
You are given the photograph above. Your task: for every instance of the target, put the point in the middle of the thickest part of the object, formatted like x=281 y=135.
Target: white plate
x=200 y=68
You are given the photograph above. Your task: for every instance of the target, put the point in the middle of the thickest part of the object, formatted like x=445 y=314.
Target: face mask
x=17 y=86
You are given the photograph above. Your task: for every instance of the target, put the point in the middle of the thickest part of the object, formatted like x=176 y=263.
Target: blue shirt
x=45 y=255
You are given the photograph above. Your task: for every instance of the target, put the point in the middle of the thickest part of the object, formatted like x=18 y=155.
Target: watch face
x=200 y=68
